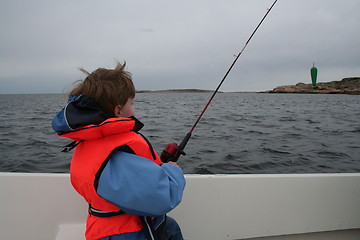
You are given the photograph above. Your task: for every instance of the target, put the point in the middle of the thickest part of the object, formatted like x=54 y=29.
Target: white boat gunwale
x=241 y=206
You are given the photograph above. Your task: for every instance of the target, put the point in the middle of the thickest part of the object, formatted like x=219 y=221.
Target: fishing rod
x=170 y=148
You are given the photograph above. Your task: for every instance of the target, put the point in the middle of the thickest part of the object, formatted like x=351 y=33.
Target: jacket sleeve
x=139 y=186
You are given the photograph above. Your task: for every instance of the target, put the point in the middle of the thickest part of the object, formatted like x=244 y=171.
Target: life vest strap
x=99 y=213
x=70 y=146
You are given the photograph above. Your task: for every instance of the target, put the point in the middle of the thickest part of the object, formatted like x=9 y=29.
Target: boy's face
x=127 y=110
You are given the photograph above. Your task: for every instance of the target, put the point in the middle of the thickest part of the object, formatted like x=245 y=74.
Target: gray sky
x=177 y=44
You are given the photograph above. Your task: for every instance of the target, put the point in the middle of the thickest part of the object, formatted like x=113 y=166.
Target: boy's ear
x=117 y=111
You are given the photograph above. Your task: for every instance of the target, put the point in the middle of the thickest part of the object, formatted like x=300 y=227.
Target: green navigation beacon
x=313 y=72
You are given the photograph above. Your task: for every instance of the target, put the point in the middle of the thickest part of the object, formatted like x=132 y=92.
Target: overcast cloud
x=177 y=44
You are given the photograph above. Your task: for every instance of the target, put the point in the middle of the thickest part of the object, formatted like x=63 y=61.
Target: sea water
x=239 y=133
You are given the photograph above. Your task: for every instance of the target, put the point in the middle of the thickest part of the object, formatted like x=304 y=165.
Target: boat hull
x=266 y=206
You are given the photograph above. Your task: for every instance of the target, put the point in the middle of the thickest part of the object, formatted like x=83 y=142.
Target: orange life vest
x=97 y=142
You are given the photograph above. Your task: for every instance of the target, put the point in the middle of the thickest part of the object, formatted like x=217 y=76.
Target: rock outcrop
x=345 y=86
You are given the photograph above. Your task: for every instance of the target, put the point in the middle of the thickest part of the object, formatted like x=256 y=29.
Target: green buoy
x=313 y=72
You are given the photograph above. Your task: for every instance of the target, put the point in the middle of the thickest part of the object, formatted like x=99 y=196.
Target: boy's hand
x=174 y=163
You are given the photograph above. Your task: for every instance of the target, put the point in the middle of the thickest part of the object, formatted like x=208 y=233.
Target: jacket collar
x=79 y=111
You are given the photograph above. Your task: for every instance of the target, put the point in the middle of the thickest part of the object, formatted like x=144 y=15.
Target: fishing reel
x=169 y=153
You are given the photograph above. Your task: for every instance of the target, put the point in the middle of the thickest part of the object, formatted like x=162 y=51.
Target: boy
x=128 y=189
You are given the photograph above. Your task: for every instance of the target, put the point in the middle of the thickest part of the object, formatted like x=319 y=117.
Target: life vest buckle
x=99 y=213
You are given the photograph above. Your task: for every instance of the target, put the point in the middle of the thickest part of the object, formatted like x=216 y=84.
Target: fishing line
x=188 y=135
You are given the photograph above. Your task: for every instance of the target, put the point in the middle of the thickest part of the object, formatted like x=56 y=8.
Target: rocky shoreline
x=345 y=86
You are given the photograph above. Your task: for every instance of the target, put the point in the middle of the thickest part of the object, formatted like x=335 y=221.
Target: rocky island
x=345 y=86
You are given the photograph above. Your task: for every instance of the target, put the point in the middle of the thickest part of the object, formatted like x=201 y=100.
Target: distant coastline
x=345 y=86
x=175 y=90
x=349 y=85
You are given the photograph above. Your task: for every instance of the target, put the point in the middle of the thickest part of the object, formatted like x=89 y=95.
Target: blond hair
x=108 y=87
